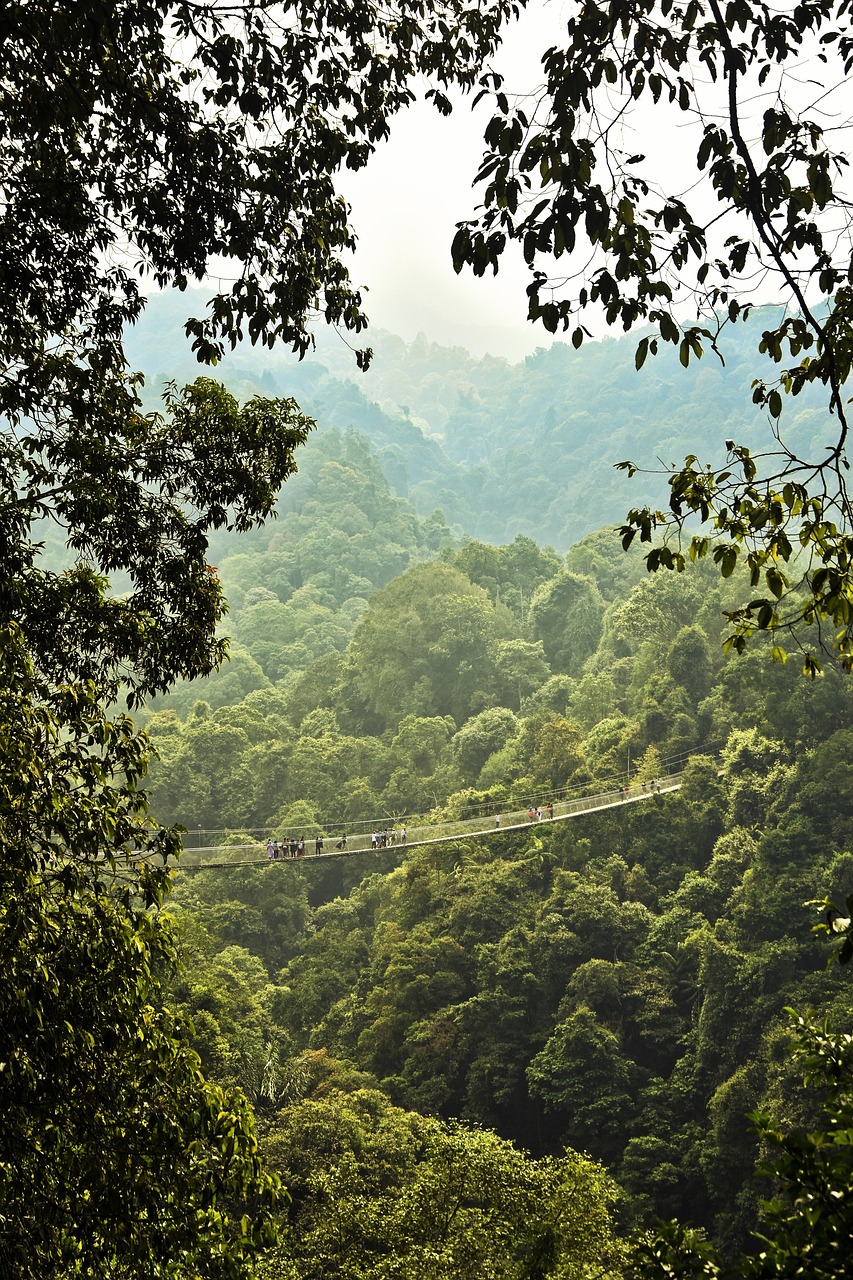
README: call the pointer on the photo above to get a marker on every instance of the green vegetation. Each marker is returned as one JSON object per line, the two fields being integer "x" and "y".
{"x": 117, "y": 1156}
{"x": 615, "y": 986}
{"x": 377, "y": 1191}
{"x": 806, "y": 1230}
{"x": 469, "y": 1060}
{"x": 145, "y": 140}
{"x": 567, "y": 173}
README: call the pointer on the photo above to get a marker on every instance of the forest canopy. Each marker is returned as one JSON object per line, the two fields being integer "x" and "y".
{"x": 141, "y": 141}
{"x": 615, "y": 985}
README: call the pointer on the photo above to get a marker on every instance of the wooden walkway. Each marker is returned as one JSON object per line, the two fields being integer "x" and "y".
{"x": 255, "y": 853}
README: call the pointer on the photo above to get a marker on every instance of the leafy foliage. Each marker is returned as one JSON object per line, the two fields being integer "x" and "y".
{"x": 378, "y": 1191}
{"x": 116, "y": 1154}
{"x": 563, "y": 177}
{"x": 138, "y": 496}
{"x": 173, "y": 132}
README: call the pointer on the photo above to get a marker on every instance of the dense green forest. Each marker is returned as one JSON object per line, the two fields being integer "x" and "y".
{"x": 507, "y": 1054}
{"x": 614, "y": 986}
{"x": 504, "y": 1056}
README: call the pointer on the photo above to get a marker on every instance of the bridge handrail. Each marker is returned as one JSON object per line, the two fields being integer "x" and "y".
{"x": 514, "y": 820}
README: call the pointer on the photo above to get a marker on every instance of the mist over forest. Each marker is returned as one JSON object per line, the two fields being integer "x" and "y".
{"x": 426, "y": 781}
{"x": 505, "y": 449}
{"x": 441, "y": 621}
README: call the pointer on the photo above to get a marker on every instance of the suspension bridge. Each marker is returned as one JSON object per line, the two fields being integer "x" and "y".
{"x": 253, "y": 853}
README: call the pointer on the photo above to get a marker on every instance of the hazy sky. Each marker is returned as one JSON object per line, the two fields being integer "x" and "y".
{"x": 406, "y": 205}
{"x": 407, "y": 201}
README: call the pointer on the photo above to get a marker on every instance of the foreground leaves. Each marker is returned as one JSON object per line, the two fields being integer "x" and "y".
{"x": 116, "y": 1155}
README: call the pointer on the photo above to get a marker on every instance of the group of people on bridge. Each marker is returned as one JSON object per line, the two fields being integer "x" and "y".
{"x": 382, "y": 839}
{"x": 645, "y": 787}
{"x": 288, "y": 848}
{"x": 294, "y": 847}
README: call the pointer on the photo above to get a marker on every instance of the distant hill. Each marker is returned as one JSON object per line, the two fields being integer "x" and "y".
{"x": 504, "y": 448}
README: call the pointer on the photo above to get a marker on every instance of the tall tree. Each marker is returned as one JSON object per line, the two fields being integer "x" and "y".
{"x": 806, "y": 1221}
{"x": 424, "y": 647}
{"x": 117, "y": 1157}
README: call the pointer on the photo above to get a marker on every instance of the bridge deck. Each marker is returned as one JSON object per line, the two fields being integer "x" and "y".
{"x": 439, "y": 833}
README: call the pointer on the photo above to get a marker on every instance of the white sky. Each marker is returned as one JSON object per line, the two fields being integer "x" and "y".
{"x": 407, "y": 201}
{"x": 406, "y": 204}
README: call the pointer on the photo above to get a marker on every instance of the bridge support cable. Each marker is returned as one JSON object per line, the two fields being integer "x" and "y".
{"x": 437, "y": 833}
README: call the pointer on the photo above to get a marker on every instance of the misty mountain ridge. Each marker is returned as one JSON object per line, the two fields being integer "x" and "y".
{"x": 505, "y": 448}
